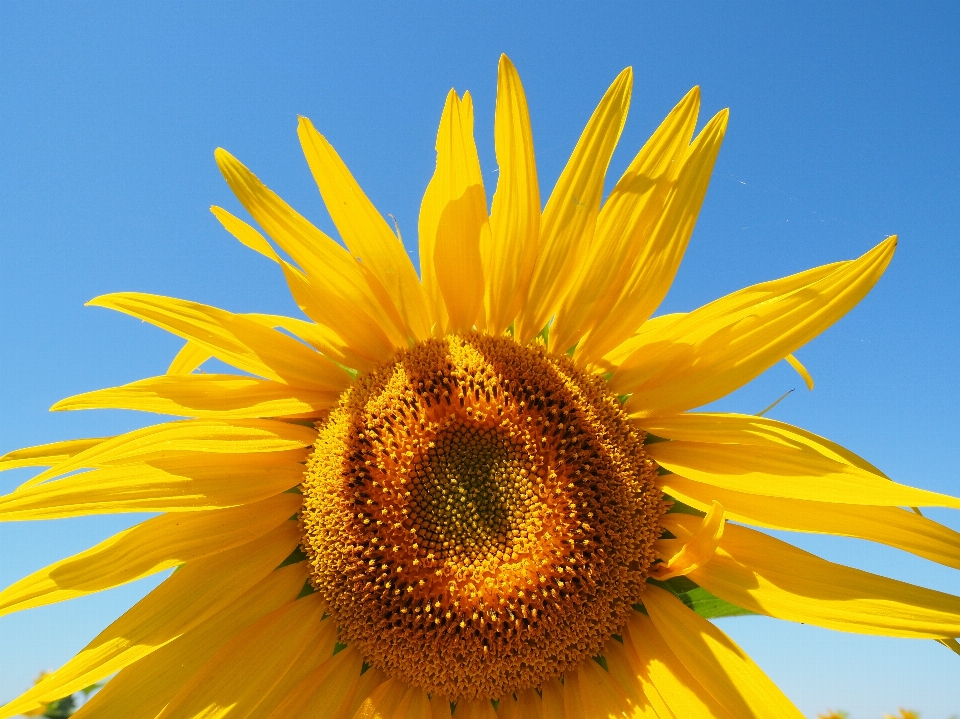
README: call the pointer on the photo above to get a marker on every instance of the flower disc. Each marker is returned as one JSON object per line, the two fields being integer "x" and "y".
{"x": 479, "y": 516}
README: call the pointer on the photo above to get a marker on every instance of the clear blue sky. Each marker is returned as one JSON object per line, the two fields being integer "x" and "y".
{"x": 843, "y": 130}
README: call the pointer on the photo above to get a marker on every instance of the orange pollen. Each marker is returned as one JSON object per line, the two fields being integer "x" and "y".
{"x": 479, "y": 516}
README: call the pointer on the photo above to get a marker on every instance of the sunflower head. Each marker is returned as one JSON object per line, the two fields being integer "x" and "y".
{"x": 486, "y": 502}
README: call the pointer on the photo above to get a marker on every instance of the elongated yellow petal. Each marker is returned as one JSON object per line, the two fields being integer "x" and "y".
{"x": 509, "y": 259}
{"x": 615, "y": 357}
{"x": 892, "y": 526}
{"x": 526, "y": 705}
{"x": 570, "y": 217}
{"x": 725, "y": 344}
{"x": 589, "y": 692}
{"x": 440, "y": 708}
{"x": 358, "y": 343}
{"x": 235, "y": 339}
{"x": 143, "y": 689}
{"x": 46, "y": 455}
{"x": 716, "y": 661}
{"x": 189, "y": 358}
{"x": 646, "y": 655}
{"x": 150, "y": 547}
{"x": 454, "y": 222}
{"x": 389, "y": 700}
{"x": 245, "y": 233}
{"x": 476, "y": 709}
{"x": 364, "y": 231}
{"x": 633, "y": 679}
{"x": 767, "y": 576}
{"x": 642, "y": 234}
{"x": 186, "y": 437}
{"x": 757, "y": 455}
{"x": 323, "y": 260}
{"x": 185, "y": 600}
{"x": 328, "y": 691}
{"x": 310, "y": 332}
{"x": 343, "y": 331}
{"x": 173, "y": 484}
{"x": 552, "y": 705}
{"x": 317, "y": 652}
{"x": 801, "y": 370}
{"x": 696, "y": 551}
{"x": 625, "y": 224}
{"x": 249, "y": 666}
{"x": 205, "y": 395}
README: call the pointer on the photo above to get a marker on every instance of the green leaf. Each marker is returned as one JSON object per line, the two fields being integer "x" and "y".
{"x": 61, "y": 708}
{"x": 707, "y": 605}
{"x": 710, "y": 606}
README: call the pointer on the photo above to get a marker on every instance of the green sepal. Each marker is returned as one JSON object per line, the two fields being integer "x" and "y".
{"x": 295, "y": 557}
{"x": 680, "y": 508}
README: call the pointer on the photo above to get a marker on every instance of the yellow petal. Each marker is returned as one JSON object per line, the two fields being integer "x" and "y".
{"x": 615, "y": 357}
{"x": 440, "y": 708}
{"x": 454, "y": 222}
{"x": 323, "y": 260}
{"x": 625, "y": 224}
{"x": 313, "y": 656}
{"x": 364, "y": 231}
{"x": 648, "y": 657}
{"x": 525, "y": 705}
{"x": 205, "y": 395}
{"x": 321, "y": 337}
{"x": 349, "y": 336}
{"x": 633, "y": 679}
{"x": 589, "y": 692}
{"x": 382, "y": 700}
{"x": 187, "y": 599}
{"x": 696, "y": 551}
{"x": 552, "y": 705}
{"x": 509, "y": 259}
{"x": 329, "y": 690}
{"x": 801, "y": 370}
{"x": 190, "y": 356}
{"x": 173, "y": 484}
{"x": 892, "y": 526}
{"x": 716, "y": 349}
{"x": 249, "y": 666}
{"x": 570, "y": 217}
{"x": 767, "y": 576}
{"x": 245, "y": 233}
{"x": 147, "y": 548}
{"x": 476, "y": 709}
{"x": 46, "y": 455}
{"x": 642, "y": 234}
{"x": 342, "y": 331}
{"x": 395, "y": 700}
{"x": 716, "y": 661}
{"x": 143, "y": 689}
{"x": 756, "y": 455}
{"x": 186, "y": 437}
{"x": 235, "y": 339}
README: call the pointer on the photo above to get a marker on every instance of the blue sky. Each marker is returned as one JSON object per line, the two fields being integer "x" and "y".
{"x": 843, "y": 130}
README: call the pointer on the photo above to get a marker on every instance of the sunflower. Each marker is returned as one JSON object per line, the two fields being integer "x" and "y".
{"x": 477, "y": 489}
